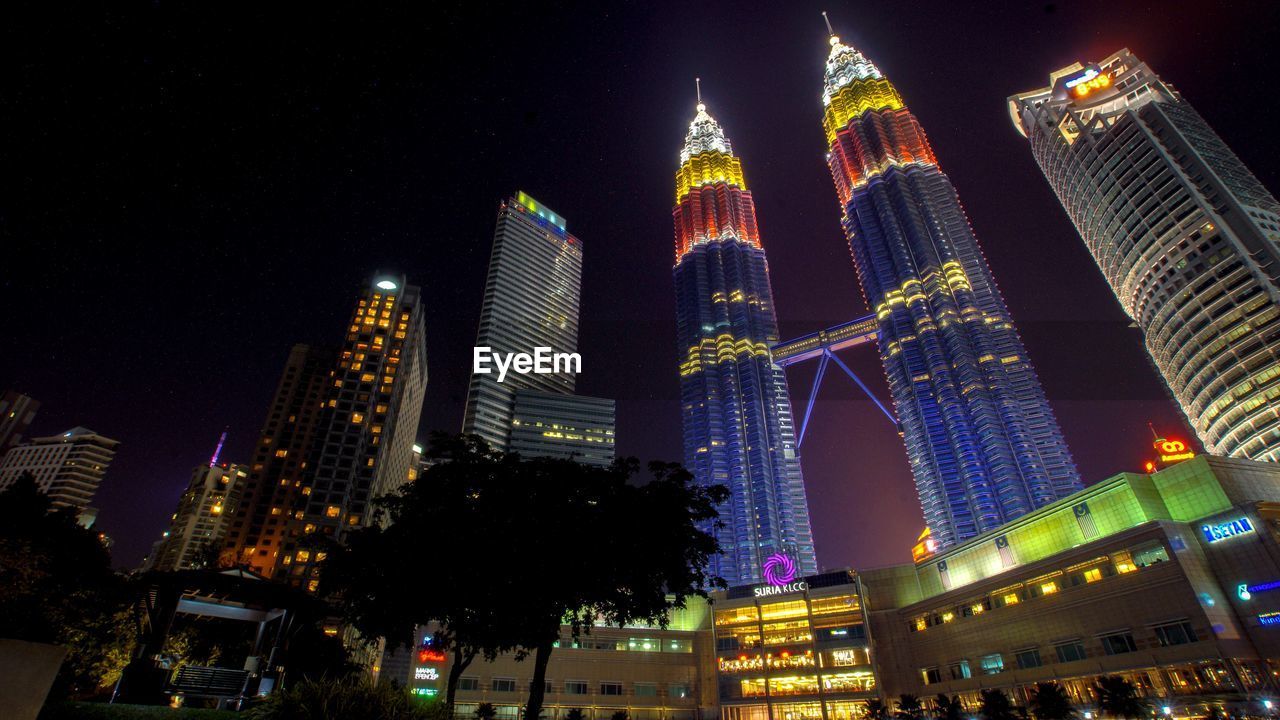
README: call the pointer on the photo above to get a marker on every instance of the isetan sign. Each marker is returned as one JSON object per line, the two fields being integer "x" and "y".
{"x": 1221, "y": 531}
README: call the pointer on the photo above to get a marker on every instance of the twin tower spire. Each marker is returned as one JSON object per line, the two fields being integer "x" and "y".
{"x": 983, "y": 444}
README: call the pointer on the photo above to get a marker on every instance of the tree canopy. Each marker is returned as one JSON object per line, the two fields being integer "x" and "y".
{"x": 501, "y": 551}
{"x": 1117, "y": 697}
{"x": 1049, "y": 701}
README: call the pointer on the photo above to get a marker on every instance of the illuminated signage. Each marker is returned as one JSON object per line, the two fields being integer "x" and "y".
{"x": 426, "y": 673}
{"x": 1271, "y": 618}
{"x": 767, "y": 590}
{"x": 925, "y": 546}
{"x": 428, "y": 652}
{"x": 843, "y": 658}
{"x": 425, "y": 692}
{"x": 1172, "y": 451}
{"x": 1229, "y": 529}
{"x": 1244, "y": 591}
{"x": 779, "y": 570}
{"x": 1087, "y": 83}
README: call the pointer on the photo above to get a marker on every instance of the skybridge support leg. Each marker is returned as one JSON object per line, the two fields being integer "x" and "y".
{"x": 813, "y": 395}
{"x": 865, "y": 389}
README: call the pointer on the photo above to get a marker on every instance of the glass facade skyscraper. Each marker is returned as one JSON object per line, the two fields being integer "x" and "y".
{"x": 531, "y": 298}
{"x": 1185, "y": 235}
{"x": 983, "y": 443}
{"x": 738, "y": 426}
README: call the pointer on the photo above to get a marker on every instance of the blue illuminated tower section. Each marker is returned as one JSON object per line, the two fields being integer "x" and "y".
{"x": 738, "y": 427}
{"x": 984, "y": 445}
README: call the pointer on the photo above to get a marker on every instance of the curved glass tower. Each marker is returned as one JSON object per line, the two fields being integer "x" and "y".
{"x": 738, "y": 428}
{"x": 1186, "y": 236}
{"x": 984, "y": 445}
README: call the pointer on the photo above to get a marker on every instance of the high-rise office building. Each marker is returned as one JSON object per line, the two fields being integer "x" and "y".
{"x": 1185, "y": 235}
{"x": 201, "y": 519}
{"x": 67, "y": 467}
{"x": 531, "y": 299}
{"x": 738, "y": 427}
{"x": 274, "y": 488}
{"x": 562, "y": 426}
{"x": 983, "y": 444}
{"x": 17, "y": 411}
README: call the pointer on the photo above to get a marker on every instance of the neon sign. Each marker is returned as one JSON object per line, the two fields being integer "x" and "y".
{"x": 426, "y": 673}
{"x": 1172, "y": 451}
{"x": 1271, "y": 618}
{"x": 428, "y": 652}
{"x": 766, "y": 590}
{"x": 1087, "y": 83}
{"x": 779, "y": 570}
{"x": 1229, "y": 529}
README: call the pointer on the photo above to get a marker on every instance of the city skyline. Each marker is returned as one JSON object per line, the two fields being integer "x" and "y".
{"x": 810, "y": 266}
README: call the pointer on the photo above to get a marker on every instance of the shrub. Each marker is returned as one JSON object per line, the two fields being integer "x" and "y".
{"x": 351, "y": 698}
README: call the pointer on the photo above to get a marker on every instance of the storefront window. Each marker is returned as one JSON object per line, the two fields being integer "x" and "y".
{"x": 862, "y": 681}
{"x": 794, "y": 685}
{"x": 734, "y": 616}
{"x": 785, "y": 633}
{"x": 842, "y": 603}
{"x": 779, "y": 610}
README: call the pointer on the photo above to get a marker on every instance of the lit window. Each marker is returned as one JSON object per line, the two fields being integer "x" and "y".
{"x": 357, "y": 418}
{"x": 304, "y": 555}
{"x": 332, "y": 511}
{"x": 948, "y": 617}
{"x": 312, "y": 585}
{"x": 282, "y": 453}
{"x": 1093, "y": 574}
{"x": 1049, "y": 588}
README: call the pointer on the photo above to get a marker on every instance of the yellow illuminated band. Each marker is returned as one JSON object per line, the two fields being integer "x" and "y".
{"x": 857, "y": 98}
{"x": 706, "y": 169}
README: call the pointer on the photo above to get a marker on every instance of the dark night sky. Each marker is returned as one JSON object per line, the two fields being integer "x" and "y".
{"x": 189, "y": 190}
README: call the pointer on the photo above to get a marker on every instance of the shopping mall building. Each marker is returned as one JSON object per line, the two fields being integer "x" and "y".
{"x": 1170, "y": 579}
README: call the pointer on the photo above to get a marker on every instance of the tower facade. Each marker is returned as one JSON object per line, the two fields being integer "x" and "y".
{"x": 201, "y": 519}
{"x": 983, "y": 443}
{"x": 531, "y": 297}
{"x": 17, "y": 412}
{"x": 67, "y": 467}
{"x": 1185, "y": 235}
{"x": 259, "y": 525}
{"x": 738, "y": 427}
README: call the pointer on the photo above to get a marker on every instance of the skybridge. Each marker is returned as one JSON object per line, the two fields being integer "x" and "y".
{"x": 823, "y": 346}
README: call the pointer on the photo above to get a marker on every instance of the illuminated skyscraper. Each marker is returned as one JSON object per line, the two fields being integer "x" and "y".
{"x": 983, "y": 444}
{"x": 201, "y": 519}
{"x": 317, "y": 472}
{"x": 531, "y": 300}
{"x": 738, "y": 427}
{"x": 1185, "y": 235}
{"x": 67, "y": 467}
{"x": 17, "y": 411}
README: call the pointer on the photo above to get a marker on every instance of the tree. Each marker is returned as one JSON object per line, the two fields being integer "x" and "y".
{"x": 57, "y": 586}
{"x": 996, "y": 706}
{"x": 948, "y": 708}
{"x": 1050, "y": 702}
{"x": 876, "y": 710}
{"x": 646, "y": 555}
{"x": 620, "y": 715}
{"x": 486, "y": 711}
{"x": 575, "y": 714}
{"x": 909, "y": 708}
{"x": 1119, "y": 698}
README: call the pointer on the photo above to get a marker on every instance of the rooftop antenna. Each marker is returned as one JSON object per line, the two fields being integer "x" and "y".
{"x": 827, "y": 20}
{"x": 218, "y": 451}
{"x": 1154, "y": 434}
{"x": 697, "y": 82}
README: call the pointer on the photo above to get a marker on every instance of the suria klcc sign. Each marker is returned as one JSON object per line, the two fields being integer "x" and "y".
{"x": 780, "y": 573}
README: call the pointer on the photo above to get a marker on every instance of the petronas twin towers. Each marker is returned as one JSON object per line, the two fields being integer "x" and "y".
{"x": 982, "y": 442}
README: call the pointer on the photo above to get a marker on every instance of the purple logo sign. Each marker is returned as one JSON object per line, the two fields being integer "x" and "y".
{"x": 779, "y": 569}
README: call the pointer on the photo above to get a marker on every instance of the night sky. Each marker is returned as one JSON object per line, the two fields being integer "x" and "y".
{"x": 189, "y": 190}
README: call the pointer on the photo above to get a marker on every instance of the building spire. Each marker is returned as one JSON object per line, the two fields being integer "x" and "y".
{"x": 218, "y": 450}
{"x": 698, "y": 84}
{"x": 830, "y": 32}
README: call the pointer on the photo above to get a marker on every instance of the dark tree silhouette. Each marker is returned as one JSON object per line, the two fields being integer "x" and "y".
{"x": 1117, "y": 697}
{"x": 1050, "y": 702}
{"x": 524, "y": 546}
{"x": 575, "y": 714}
{"x": 996, "y": 706}
{"x": 948, "y": 708}
{"x": 876, "y": 710}
{"x": 486, "y": 711}
{"x": 57, "y": 586}
{"x": 909, "y": 708}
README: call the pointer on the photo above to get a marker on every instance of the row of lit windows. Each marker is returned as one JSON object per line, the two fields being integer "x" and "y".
{"x": 1121, "y": 562}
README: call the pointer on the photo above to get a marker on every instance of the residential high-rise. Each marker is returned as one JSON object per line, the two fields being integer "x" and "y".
{"x": 562, "y": 426}
{"x": 738, "y": 427}
{"x": 531, "y": 297}
{"x": 1185, "y": 235}
{"x": 364, "y": 441}
{"x": 17, "y": 411}
{"x": 983, "y": 443}
{"x": 340, "y": 433}
{"x": 201, "y": 520}
{"x": 67, "y": 467}
{"x": 259, "y": 524}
